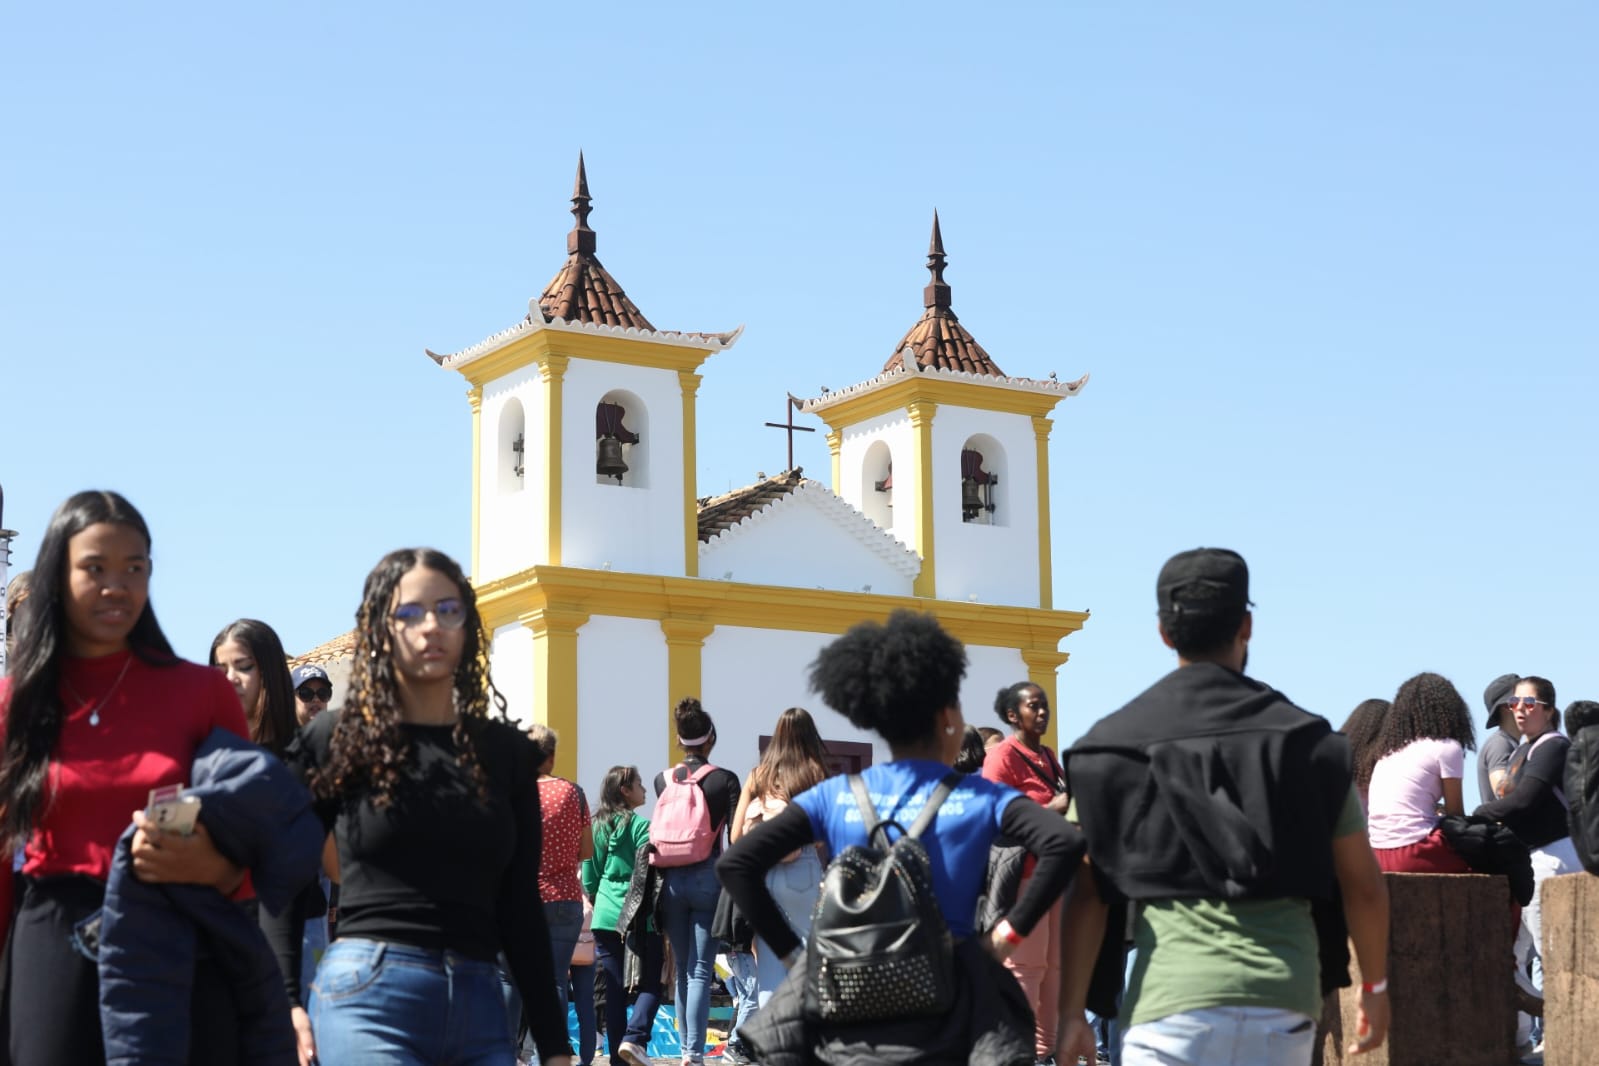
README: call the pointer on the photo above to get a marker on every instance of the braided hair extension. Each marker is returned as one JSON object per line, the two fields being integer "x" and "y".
{"x": 368, "y": 751}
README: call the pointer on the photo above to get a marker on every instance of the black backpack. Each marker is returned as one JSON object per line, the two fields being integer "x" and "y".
{"x": 1582, "y": 795}
{"x": 879, "y": 949}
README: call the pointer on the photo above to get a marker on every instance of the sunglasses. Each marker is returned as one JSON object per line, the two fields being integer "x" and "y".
{"x": 308, "y": 693}
{"x": 449, "y": 614}
{"x": 1526, "y": 701}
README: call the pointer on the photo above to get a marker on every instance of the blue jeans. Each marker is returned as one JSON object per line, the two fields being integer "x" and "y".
{"x": 393, "y": 1005}
{"x": 564, "y": 918}
{"x": 582, "y": 990}
{"x": 690, "y": 900}
{"x": 742, "y": 985}
{"x": 608, "y": 958}
{"x": 1222, "y": 1036}
{"x": 795, "y": 886}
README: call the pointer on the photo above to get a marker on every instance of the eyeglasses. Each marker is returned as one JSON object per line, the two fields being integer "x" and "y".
{"x": 1526, "y": 701}
{"x": 449, "y": 614}
{"x": 307, "y": 693}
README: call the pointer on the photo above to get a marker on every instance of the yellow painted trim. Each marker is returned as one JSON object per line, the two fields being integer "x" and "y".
{"x": 540, "y": 345}
{"x": 921, "y": 413}
{"x": 554, "y": 632}
{"x": 685, "y": 643}
{"x": 551, "y": 374}
{"x": 1046, "y": 575}
{"x": 1041, "y": 666}
{"x": 732, "y": 603}
{"x": 914, "y": 389}
{"x": 835, "y": 448}
{"x": 474, "y": 396}
{"x": 689, "y": 382}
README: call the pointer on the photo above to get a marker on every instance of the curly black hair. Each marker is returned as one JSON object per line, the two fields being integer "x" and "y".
{"x": 1010, "y": 699}
{"x": 1428, "y": 705}
{"x": 1362, "y": 729}
{"x": 892, "y": 678}
{"x": 368, "y": 751}
{"x": 1580, "y": 714}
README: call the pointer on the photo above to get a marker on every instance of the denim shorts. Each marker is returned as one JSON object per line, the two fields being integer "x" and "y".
{"x": 385, "y": 1004}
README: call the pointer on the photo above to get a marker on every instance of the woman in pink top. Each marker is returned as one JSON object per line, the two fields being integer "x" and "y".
{"x": 1417, "y": 778}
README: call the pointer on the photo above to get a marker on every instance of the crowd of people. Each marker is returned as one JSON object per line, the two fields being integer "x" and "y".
{"x": 1182, "y": 885}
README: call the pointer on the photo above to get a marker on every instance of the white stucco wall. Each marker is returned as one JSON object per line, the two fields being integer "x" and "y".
{"x": 635, "y": 529}
{"x": 622, "y": 702}
{"x": 511, "y": 529}
{"x": 805, "y": 542}
{"x": 511, "y": 664}
{"x": 994, "y": 563}
{"x": 988, "y": 670}
{"x": 894, "y": 430}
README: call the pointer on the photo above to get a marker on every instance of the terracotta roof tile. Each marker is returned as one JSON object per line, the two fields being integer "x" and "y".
{"x": 719, "y": 513}
{"x": 938, "y": 339}
{"x": 331, "y": 651}
{"x": 583, "y": 290}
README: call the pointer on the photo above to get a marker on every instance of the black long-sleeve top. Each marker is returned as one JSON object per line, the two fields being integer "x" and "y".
{"x": 1056, "y": 844}
{"x": 440, "y": 868}
{"x": 1532, "y": 809}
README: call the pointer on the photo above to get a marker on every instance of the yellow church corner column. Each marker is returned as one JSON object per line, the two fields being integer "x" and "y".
{"x": 1046, "y": 574}
{"x": 474, "y": 396}
{"x": 552, "y": 370}
{"x": 921, "y": 412}
{"x": 835, "y": 448}
{"x": 685, "y": 640}
{"x": 554, "y": 632}
{"x": 1041, "y": 666}
{"x": 690, "y": 384}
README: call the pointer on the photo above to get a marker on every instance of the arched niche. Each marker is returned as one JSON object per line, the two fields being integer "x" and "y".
{"x": 984, "y": 482}
{"x": 621, "y": 427}
{"x": 877, "y": 484}
{"x": 510, "y": 455}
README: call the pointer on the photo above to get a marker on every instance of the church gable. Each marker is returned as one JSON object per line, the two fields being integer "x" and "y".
{"x": 790, "y": 530}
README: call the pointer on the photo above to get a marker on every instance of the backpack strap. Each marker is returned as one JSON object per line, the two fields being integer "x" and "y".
{"x": 934, "y": 801}
{"x": 863, "y": 800}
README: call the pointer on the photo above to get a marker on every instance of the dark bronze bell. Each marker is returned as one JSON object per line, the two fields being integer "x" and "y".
{"x": 971, "y": 498}
{"x": 610, "y": 463}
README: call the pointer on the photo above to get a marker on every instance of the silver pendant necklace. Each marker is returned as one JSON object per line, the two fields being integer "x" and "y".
{"x": 94, "y": 712}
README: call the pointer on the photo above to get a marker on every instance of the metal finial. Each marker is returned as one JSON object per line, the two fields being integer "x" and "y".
{"x": 936, "y": 294}
{"x": 581, "y": 239}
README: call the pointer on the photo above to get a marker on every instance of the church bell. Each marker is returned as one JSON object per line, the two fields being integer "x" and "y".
{"x": 610, "y": 462}
{"x": 971, "y": 498}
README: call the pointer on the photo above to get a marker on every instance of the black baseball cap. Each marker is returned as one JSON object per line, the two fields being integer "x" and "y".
{"x": 1203, "y": 579}
{"x": 1498, "y": 691}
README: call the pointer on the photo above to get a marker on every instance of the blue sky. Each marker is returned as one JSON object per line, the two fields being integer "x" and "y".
{"x": 1332, "y": 270}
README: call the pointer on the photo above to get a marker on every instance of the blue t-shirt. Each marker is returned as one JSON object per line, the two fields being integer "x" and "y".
{"x": 957, "y": 842}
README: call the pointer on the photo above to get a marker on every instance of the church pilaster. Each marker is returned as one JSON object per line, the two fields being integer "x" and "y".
{"x": 685, "y": 644}
{"x": 554, "y": 632}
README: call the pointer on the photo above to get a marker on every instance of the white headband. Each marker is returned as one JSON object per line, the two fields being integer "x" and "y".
{"x": 693, "y": 742}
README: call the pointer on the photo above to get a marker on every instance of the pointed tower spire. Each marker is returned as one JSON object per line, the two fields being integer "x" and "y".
{"x": 581, "y": 240}
{"x": 936, "y": 294}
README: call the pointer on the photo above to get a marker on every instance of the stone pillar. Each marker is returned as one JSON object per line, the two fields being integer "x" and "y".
{"x": 1449, "y": 974}
{"x": 1570, "y": 969}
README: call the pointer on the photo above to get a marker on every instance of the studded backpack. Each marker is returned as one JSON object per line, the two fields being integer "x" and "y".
{"x": 879, "y": 948}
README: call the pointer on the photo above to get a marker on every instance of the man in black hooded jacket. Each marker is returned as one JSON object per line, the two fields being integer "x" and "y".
{"x": 1229, "y": 816}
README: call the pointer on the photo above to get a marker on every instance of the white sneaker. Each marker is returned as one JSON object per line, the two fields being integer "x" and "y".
{"x": 633, "y": 1053}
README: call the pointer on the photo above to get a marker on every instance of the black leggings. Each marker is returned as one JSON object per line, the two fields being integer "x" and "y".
{"x": 52, "y": 1002}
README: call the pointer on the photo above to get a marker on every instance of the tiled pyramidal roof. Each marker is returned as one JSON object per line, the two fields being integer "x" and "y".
{"x": 583, "y": 290}
{"x": 938, "y": 340}
{"x": 720, "y": 513}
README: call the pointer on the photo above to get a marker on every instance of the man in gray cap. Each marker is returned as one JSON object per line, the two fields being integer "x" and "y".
{"x": 1493, "y": 761}
{"x": 1230, "y": 817}
{"x": 312, "y": 691}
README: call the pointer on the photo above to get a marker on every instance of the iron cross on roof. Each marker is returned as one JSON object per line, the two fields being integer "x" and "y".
{"x": 793, "y": 405}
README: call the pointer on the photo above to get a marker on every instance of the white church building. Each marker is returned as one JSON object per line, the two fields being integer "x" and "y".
{"x": 612, "y": 590}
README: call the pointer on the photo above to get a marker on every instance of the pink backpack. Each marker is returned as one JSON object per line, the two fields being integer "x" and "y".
{"x": 681, "y": 831}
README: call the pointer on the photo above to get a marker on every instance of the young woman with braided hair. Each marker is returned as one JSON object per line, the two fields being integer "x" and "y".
{"x": 1420, "y": 760}
{"x": 434, "y": 809}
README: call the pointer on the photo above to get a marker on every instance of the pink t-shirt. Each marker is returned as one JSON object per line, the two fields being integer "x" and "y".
{"x": 1406, "y": 786}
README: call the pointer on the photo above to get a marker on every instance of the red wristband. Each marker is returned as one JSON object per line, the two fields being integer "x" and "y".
{"x": 1375, "y": 987}
{"x": 1006, "y": 930}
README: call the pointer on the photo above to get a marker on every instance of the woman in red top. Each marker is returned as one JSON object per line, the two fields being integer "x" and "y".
{"x": 1024, "y": 762}
{"x": 98, "y": 711}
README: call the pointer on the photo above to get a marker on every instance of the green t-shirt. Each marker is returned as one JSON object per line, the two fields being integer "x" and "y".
{"x": 1214, "y": 953}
